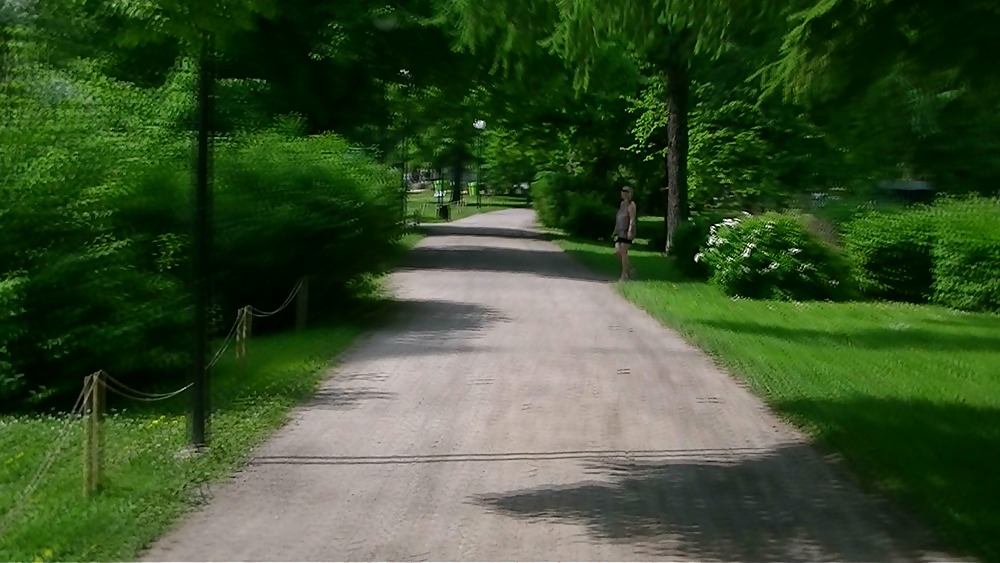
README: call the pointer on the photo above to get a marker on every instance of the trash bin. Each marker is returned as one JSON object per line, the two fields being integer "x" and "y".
{"x": 444, "y": 212}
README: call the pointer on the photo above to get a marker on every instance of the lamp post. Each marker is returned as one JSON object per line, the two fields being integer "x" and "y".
{"x": 479, "y": 124}
{"x": 405, "y": 75}
{"x": 201, "y": 408}
{"x": 385, "y": 19}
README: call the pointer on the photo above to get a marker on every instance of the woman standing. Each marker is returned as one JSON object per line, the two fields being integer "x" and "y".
{"x": 625, "y": 232}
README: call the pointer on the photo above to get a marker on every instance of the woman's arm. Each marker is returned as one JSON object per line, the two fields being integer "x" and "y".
{"x": 632, "y": 219}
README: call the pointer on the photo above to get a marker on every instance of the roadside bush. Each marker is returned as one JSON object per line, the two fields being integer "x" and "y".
{"x": 689, "y": 240}
{"x": 891, "y": 254}
{"x": 967, "y": 255}
{"x": 11, "y": 307}
{"x": 291, "y": 207}
{"x": 587, "y": 216}
{"x": 553, "y": 194}
{"x": 773, "y": 256}
{"x": 548, "y": 199}
{"x": 95, "y": 207}
{"x": 84, "y": 300}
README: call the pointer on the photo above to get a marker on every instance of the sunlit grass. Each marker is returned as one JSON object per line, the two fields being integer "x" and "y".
{"x": 909, "y": 395}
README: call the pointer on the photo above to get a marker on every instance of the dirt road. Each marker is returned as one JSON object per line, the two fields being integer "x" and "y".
{"x": 519, "y": 409}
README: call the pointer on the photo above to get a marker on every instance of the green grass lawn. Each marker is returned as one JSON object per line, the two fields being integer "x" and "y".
{"x": 423, "y": 206}
{"x": 147, "y": 485}
{"x": 909, "y": 395}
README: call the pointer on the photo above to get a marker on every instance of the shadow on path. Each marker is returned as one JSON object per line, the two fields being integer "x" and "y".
{"x": 552, "y": 264}
{"x": 750, "y": 509}
{"x": 584, "y": 455}
{"x": 439, "y": 230}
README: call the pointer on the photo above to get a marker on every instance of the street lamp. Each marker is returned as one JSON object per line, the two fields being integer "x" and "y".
{"x": 479, "y": 124}
{"x": 405, "y": 75}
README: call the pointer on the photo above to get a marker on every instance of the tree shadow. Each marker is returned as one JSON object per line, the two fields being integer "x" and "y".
{"x": 937, "y": 458}
{"x": 428, "y": 327}
{"x": 345, "y": 399}
{"x": 451, "y": 230}
{"x": 650, "y": 266}
{"x": 783, "y": 506}
{"x": 901, "y": 338}
{"x": 542, "y": 263}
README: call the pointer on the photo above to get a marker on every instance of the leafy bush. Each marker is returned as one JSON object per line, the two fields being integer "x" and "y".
{"x": 95, "y": 207}
{"x": 891, "y": 254}
{"x": 10, "y": 308}
{"x": 689, "y": 240}
{"x": 587, "y": 216}
{"x": 548, "y": 199}
{"x": 320, "y": 211}
{"x": 967, "y": 255}
{"x": 772, "y": 257}
{"x": 554, "y": 194}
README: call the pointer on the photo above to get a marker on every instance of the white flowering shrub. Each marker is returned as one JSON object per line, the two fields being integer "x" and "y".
{"x": 773, "y": 257}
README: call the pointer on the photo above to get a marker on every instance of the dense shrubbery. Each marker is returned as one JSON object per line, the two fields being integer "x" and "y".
{"x": 95, "y": 208}
{"x": 949, "y": 252}
{"x": 588, "y": 216}
{"x": 773, "y": 256}
{"x": 690, "y": 240}
{"x": 580, "y": 205}
{"x": 891, "y": 254}
{"x": 967, "y": 254}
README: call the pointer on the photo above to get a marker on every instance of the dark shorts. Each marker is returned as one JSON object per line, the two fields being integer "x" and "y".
{"x": 623, "y": 240}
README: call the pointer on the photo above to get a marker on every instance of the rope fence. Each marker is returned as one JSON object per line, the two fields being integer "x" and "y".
{"x": 90, "y": 405}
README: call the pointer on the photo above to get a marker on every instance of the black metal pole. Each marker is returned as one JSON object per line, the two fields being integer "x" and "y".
{"x": 479, "y": 168}
{"x": 202, "y": 249}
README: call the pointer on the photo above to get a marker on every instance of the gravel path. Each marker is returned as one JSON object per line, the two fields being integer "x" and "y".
{"x": 519, "y": 409}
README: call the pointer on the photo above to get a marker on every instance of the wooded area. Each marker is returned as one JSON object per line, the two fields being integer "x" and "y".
{"x": 707, "y": 109}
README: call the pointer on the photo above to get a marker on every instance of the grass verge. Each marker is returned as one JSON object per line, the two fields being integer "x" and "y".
{"x": 147, "y": 485}
{"x": 908, "y": 395}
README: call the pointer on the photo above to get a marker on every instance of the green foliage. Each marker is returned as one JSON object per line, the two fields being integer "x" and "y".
{"x": 549, "y": 199}
{"x": 844, "y": 46}
{"x": 95, "y": 208}
{"x": 580, "y": 204}
{"x": 773, "y": 256}
{"x": 11, "y": 307}
{"x": 891, "y": 254}
{"x": 587, "y": 216}
{"x": 313, "y": 203}
{"x": 967, "y": 254}
{"x": 690, "y": 239}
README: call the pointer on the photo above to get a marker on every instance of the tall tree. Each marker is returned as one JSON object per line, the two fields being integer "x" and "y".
{"x": 842, "y": 47}
{"x": 667, "y": 33}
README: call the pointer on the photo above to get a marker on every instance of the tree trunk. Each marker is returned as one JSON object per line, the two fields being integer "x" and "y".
{"x": 666, "y": 192}
{"x": 678, "y": 83}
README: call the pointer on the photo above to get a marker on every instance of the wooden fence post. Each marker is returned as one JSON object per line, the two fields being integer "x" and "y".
{"x": 241, "y": 323}
{"x": 94, "y": 399}
{"x": 88, "y": 435}
{"x": 100, "y": 405}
